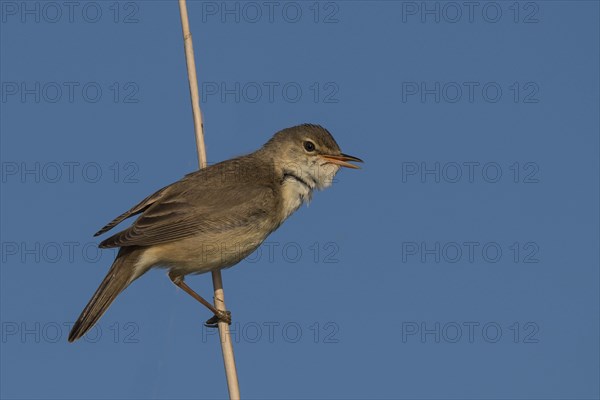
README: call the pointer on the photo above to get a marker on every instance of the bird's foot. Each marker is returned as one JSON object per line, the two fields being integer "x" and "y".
{"x": 213, "y": 322}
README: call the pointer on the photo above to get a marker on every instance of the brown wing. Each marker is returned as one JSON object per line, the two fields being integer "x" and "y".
{"x": 143, "y": 205}
{"x": 194, "y": 205}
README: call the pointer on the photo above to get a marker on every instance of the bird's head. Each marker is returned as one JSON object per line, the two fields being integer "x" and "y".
{"x": 309, "y": 152}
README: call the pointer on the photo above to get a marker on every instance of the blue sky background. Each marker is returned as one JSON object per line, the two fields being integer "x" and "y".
{"x": 479, "y": 128}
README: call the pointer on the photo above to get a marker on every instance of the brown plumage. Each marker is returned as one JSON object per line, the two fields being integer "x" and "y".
{"x": 233, "y": 206}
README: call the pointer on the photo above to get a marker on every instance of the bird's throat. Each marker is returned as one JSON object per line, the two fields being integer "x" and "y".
{"x": 292, "y": 176}
{"x": 294, "y": 191}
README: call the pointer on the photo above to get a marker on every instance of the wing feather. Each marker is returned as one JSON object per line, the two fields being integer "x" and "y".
{"x": 192, "y": 206}
{"x": 143, "y": 205}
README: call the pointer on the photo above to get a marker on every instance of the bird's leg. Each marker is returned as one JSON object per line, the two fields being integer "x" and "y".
{"x": 219, "y": 315}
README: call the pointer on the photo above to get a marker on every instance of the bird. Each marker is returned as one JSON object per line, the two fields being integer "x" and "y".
{"x": 215, "y": 217}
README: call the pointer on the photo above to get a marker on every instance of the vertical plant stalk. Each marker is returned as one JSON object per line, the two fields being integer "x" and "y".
{"x": 226, "y": 344}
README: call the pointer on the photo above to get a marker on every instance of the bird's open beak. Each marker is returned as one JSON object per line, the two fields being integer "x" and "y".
{"x": 341, "y": 160}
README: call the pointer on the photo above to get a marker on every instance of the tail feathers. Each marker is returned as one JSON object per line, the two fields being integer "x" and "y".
{"x": 120, "y": 275}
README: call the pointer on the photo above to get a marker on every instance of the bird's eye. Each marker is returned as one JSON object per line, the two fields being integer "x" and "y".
{"x": 309, "y": 146}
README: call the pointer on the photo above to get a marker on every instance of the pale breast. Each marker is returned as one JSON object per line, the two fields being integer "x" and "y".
{"x": 293, "y": 193}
